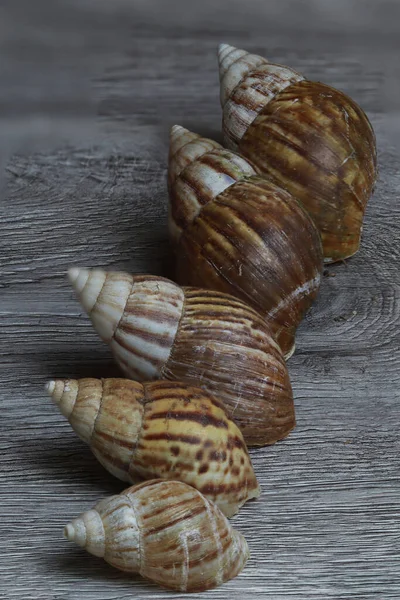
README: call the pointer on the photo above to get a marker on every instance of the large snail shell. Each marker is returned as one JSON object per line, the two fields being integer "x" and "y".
{"x": 307, "y": 137}
{"x": 165, "y": 530}
{"x": 241, "y": 234}
{"x": 162, "y": 430}
{"x": 204, "y": 338}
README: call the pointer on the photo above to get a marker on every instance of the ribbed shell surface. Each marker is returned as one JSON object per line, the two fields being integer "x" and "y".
{"x": 234, "y": 64}
{"x": 250, "y": 96}
{"x": 226, "y": 347}
{"x": 186, "y": 543}
{"x": 172, "y": 535}
{"x": 137, "y": 316}
{"x": 316, "y": 143}
{"x": 185, "y": 147}
{"x": 117, "y": 425}
{"x": 219, "y": 343}
{"x": 256, "y": 242}
{"x": 162, "y": 430}
{"x": 188, "y": 436}
{"x": 201, "y": 181}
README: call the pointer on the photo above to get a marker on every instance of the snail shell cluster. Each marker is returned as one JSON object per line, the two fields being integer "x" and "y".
{"x": 165, "y": 530}
{"x": 241, "y": 234}
{"x": 157, "y": 329}
{"x": 160, "y": 430}
{"x": 251, "y": 226}
{"x": 306, "y": 137}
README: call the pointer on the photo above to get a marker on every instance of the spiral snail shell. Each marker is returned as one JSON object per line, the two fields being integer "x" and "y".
{"x": 159, "y": 330}
{"x": 306, "y": 137}
{"x": 161, "y": 430}
{"x": 239, "y": 233}
{"x": 165, "y": 530}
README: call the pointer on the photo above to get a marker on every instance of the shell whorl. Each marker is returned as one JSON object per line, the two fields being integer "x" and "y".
{"x": 79, "y": 402}
{"x": 87, "y": 531}
{"x": 185, "y": 147}
{"x": 199, "y": 172}
{"x": 64, "y": 394}
{"x": 110, "y": 531}
{"x": 234, "y": 64}
{"x": 166, "y": 531}
{"x": 137, "y": 316}
{"x": 248, "y": 84}
{"x": 256, "y": 242}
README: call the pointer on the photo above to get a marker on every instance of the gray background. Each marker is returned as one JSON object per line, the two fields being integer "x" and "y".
{"x": 88, "y": 92}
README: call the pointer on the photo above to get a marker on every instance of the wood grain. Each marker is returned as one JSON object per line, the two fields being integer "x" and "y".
{"x": 327, "y": 523}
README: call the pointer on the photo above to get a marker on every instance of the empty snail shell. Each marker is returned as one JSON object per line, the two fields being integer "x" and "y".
{"x": 159, "y": 330}
{"x": 165, "y": 530}
{"x": 307, "y": 137}
{"x": 241, "y": 234}
{"x": 161, "y": 430}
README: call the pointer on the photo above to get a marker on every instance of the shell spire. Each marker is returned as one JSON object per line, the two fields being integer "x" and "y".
{"x": 179, "y": 137}
{"x": 87, "y": 531}
{"x": 248, "y": 83}
{"x": 198, "y": 172}
{"x": 234, "y": 64}
{"x": 185, "y": 146}
{"x": 79, "y": 402}
{"x": 165, "y": 530}
{"x": 137, "y": 316}
{"x": 64, "y": 394}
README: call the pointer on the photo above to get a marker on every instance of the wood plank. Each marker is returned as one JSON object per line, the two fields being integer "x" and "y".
{"x": 327, "y": 523}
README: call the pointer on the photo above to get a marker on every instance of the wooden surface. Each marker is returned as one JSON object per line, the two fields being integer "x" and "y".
{"x": 327, "y": 523}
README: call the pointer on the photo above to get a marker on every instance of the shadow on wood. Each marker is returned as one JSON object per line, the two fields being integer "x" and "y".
{"x": 69, "y": 461}
{"x": 77, "y": 563}
{"x": 57, "y": 363}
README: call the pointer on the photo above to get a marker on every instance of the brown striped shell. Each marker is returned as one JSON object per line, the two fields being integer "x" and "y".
{"x": 241, "y": 234}
{"x": 165, "y": 530}
{"x": 306, "y": 137}
{"x": 159, "y": 330}
{"x": 164, "y": 430}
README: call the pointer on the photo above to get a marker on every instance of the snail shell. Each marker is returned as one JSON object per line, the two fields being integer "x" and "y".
{"x": 161, "y": 430}
{"x": 306, "y": 137}
{"x": 165, "y": 530}
{"x": 241, "y": 234}
{"x": 159, "y": 330}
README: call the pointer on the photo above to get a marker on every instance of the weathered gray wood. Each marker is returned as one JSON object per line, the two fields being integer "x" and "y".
{"x": 327, "y": 523}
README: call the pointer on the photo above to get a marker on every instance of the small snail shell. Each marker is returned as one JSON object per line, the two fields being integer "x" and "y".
{"x": 241, "y": 234}
{"x": 159, "y": 330}
{"x": 165, "y": 530}
{"x": 161, "y": 430}
{"x": 307, "y": 137}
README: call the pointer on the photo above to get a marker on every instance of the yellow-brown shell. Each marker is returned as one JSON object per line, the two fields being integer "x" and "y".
{"x": 158, "y": 330}
{"x": 241, "y": 234}
{"x": 313, "y": 141}
{"x": 164, "y": 430}
{"x": 165, "y": 530}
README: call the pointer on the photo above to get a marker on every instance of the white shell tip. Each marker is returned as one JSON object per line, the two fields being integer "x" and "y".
{"x": 69, "y": 532}
{"x": 75, "y": 531}
{"x": 178, "y": 130}
{"x": 225, "y": 49}
{"x": 78, "y": 278}
{"x": 74, "y": 273}
{"x": 177, "y": 134}
{"x": 179, "y": 138}
{"x": 49, "y": 387}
